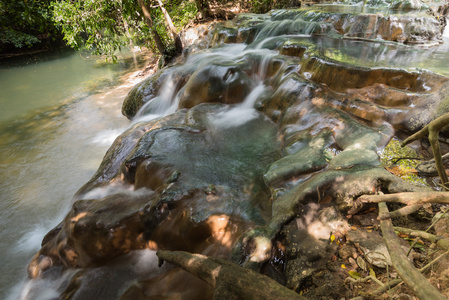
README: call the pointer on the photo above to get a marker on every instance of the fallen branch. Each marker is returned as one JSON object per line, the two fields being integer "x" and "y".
{"x": 395, "y": 282}
{"x": 432, "y": 131}
{"x": 439, "y": 241}
{"x": 229, "y": 280}
{"x": 404, "y": 211}
{"x": 411, "y": 276}
{"x": 407, "y": 198}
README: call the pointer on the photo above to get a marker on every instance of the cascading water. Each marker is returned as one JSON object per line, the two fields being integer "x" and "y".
{"x": 246, "y": 151}
{"x": 51, "y": 122}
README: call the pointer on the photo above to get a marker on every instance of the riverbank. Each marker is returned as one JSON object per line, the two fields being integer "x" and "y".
{"x": 68, "y": 115}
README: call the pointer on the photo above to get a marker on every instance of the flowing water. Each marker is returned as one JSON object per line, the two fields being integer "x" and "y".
{"x": 55, "y": 132}
{"x": 58, "y": 115}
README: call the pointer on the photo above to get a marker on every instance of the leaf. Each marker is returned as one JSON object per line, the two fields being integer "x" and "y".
{"x": 343, "y": 266}
{"x": 355, "y": 274}
{"x": 361, "y": 263}
{"x": 401, "y": 171}
{"x": 372, "y": 273}
{"x": 332, "y": 238}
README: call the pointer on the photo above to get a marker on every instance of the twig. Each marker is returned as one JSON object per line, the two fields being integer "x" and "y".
{"x": 407, "y": 158}
{"x": 439, "y": 241}
{"x": 412, "y": 277}
{"x": 427, "y": 230}
{"x": 363, "y": 280}
{"x": 387, "y": 286}
{"x": 423, "y": 269}
{"x": 395, "y": 282}
{"x": 408, "y": 198}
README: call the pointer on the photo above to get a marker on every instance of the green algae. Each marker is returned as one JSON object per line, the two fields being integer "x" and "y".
{"x": 403, "y": 160}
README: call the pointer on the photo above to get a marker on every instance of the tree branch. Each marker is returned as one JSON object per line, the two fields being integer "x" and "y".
{"x": 411, "y": 276}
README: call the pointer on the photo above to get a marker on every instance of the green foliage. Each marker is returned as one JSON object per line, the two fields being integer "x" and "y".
{"x": 102, "y": 26}
{"x": 263, "y": 6}
{"x": 24, "y": 23}
{"x": 105, "y": 26}
{"x": 394, "y": 151}
{"x": 17, "y": 39}
{"x": 182, "y": 12}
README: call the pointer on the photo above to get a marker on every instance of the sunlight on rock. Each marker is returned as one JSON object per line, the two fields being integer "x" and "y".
{"x": 262, "y": 250}
{"x": 215, "y": 273}
{"x": 222, "y": 230}
{"x": 78, "y": 217}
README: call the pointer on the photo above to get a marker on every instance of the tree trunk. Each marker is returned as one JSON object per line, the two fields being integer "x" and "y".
{"x": 157, "y": 39}
{"x": 178, "y": 43}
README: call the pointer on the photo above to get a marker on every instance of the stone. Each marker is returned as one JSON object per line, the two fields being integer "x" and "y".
{"x": 215, "y": 83}
{"x": 372, "y": 246}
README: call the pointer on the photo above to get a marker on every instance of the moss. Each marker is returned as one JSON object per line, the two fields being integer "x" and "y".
{"x": 392, "y": 157}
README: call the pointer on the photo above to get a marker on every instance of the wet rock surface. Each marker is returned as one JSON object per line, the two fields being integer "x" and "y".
{"x": 252, "y": 153}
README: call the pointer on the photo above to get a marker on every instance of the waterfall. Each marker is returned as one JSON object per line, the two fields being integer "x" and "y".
{"x": 251, "y": 151}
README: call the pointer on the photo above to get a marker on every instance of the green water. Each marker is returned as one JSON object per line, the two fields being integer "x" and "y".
{"x": 58, "y": 116}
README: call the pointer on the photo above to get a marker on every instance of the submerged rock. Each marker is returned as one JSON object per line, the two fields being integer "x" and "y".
{"x": 205, "y": 176}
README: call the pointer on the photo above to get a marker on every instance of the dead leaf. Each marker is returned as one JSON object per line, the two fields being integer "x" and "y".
{"x": 355, "y": 274}
{"x": 400, "y": 171}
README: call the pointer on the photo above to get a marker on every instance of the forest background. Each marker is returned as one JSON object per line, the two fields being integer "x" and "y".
{"x": 104, "y": 26}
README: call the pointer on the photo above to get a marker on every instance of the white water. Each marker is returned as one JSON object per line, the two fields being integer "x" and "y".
{"x": 238, "y": 114}
{"x": 167, "y": 102}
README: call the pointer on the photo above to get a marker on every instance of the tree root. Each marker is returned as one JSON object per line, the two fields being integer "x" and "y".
{"x": 432, "y": 131}
{"x": 229, "y": 280}
{"x": 411, "y": 276}
{"x": 411, "y": 199}
{"x": 428, "y": 168}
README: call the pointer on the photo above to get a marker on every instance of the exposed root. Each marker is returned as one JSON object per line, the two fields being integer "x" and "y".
{"x": 432, "y": 131}
{"x": 409, "y": 198}
{"x": 428, "y": 168}
{"x": 229, "y": 280}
